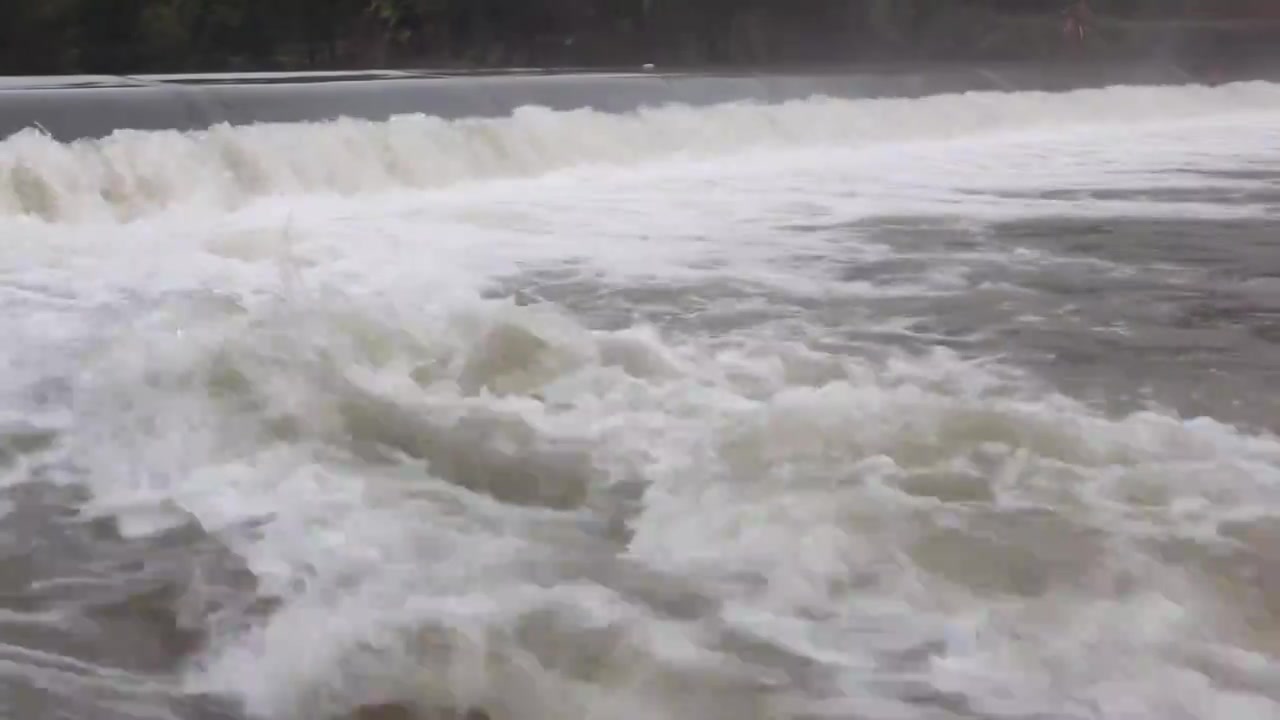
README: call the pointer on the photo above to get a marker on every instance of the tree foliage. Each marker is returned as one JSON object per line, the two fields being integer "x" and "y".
{"x": 132, "y": 36}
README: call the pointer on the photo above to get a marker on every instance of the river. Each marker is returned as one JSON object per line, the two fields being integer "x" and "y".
{"x": 961, "y": 407}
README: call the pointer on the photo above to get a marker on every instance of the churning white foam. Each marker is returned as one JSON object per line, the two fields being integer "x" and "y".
{"x": 132, "y": 173}
{"x": 460, "y": 502}
{"x": 492, "y": 506}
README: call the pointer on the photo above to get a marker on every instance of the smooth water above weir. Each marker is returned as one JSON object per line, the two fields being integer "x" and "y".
{"x": 957, "y": 407}
{"x": 71, "y": 108}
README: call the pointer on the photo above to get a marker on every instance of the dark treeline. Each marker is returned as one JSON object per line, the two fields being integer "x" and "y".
{"x": 136, "y": 36}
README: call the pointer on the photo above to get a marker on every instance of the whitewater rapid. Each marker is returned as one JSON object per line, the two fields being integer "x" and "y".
{"x": 946, "y": 408}
{"x": 130, "y": 172}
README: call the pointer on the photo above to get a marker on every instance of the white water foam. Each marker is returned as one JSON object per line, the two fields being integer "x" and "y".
{"x": 492, "y": 506}
{"x": 132, "y": 173}
{"x": 458, "y": 502}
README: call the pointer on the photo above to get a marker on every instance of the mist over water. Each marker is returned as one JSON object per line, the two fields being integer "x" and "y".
{"x": 959, "y": 407}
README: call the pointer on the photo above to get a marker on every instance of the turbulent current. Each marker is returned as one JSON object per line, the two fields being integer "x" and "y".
{"x": 955, "y": 408}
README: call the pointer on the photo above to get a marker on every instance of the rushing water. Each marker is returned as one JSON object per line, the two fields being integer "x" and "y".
{"x": 961, "y": 407}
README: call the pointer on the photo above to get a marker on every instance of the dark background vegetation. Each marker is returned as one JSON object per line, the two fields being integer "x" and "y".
{"x": 141, "y": 36}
